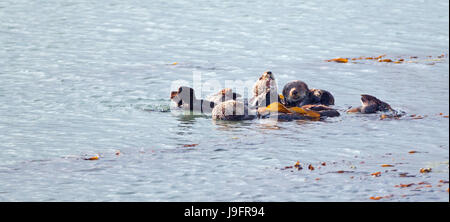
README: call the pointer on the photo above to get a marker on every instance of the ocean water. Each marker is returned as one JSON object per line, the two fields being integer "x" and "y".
{"x": 85, "y": 78}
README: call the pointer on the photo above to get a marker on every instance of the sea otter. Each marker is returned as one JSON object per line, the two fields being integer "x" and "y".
{"x": 185, "y": 98}
{"x": 265, "y": 82}
{"x": 230, "y": 109}
{"x": 320, "y": 96}
{"x": 370, "y": 104}
{"x": 297, "y": 93}
{"x": 233, "y": 111}
{"x": 265, "y": 91}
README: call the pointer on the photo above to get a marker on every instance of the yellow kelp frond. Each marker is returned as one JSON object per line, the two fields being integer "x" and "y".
{"x": 302, "y": 111}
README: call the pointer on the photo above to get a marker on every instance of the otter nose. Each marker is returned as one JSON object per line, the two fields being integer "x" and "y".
{"x": 294, "y": 92}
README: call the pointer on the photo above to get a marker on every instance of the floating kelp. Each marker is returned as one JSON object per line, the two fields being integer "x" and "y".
{"x": 280, "y": 108}
{"x": 397, "y": 60}
{"x": 425, "y": 170}
{"x": 96, "y": 157}
{"x": 415, "y": 183}
{"x": 338, "y": 60}
{"x": 376, "y": 174}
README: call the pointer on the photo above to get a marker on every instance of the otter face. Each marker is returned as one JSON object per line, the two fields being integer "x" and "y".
{"x": 372, "y": 100}
{"x": 270, "y": 79}
{"x": 317, "y": 93}
{"x": 265, "y": 83}
{"x": 183, "y": 95}
{"x": 296, "y": 94}
{"x": 267, "y": 76}
{"x": 174, "y": 97}
{"x": 321, "y": 96}
{"x": 295, "y": 91}
{"x": 372, "y": 104}
{"x": 369, "y": 100}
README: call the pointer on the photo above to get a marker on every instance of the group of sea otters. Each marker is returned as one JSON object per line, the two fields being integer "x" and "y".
{"x": 296, "y": 102}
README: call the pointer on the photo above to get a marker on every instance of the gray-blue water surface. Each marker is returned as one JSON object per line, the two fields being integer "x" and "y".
{"x": 85, "y": 78}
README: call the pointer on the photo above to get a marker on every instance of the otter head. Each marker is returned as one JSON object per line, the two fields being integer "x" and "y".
{"x": 264, "y": 83}
{"x": 267, "y": 76}
{"x": 184, "y": 95}
{"x": 316, "y": 94}
{"x": 321, "y": 96}
{"x": 371, "y": 101}
{"x": 295, "y": 91}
